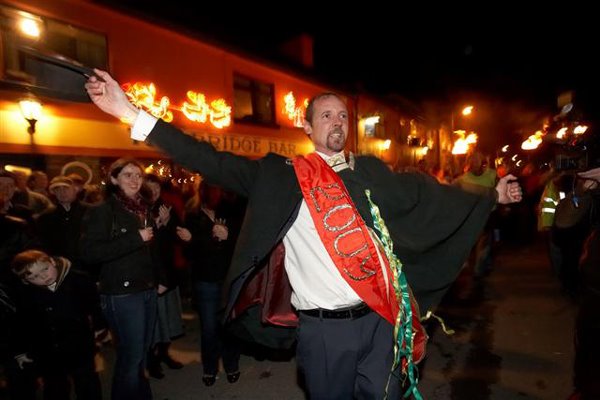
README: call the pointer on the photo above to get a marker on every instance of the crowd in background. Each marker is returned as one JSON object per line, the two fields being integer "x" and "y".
{"x": 82, "y": 265}
{"x": 562, "y": 208}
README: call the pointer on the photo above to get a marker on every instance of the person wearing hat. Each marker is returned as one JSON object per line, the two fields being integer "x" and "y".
{"x": 79, "y": 184}
{"x": 59, "y": 229}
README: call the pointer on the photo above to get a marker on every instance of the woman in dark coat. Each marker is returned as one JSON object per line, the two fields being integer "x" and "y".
{"x": 210, "y": 235}
{"x": 118, "y": 235}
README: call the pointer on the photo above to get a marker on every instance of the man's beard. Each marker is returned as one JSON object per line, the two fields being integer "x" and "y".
{"x": 336, "y": 143}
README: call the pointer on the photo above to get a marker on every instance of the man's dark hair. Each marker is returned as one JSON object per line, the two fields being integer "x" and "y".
{"x": 310, "y": 108}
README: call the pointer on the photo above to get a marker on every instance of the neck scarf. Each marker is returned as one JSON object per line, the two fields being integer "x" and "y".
{"x": 136, "y": 205}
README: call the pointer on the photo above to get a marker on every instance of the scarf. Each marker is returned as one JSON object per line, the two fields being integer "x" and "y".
{"x": 137, "y": 206}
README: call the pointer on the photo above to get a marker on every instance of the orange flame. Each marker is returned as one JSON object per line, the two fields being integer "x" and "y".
{"x": 463, "y": 144}
{"x": 144, "y": 96}
{"x": 533, "y": 141}
{"x": 220, "y": 113}
{"x": 196, "y": 108}
{"x": 294, "y": 114}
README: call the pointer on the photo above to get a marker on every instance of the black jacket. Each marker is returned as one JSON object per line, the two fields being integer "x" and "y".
{"x": 58, "y": 326}
{"x": 209, "y": 258}
{"x": 59, "y": 231}
{"x": 112, "y": 240}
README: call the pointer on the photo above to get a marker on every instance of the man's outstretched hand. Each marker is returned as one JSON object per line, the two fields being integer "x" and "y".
{"x": 509, "y": 190}
{"x": 109, "y": 97}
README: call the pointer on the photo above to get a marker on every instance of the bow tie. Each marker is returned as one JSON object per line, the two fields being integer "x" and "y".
{"x": 336, "y": 160}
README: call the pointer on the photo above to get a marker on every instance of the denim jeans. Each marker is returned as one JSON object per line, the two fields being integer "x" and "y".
{"x": 213, "y": 342}
{"x": 131, "y": 319}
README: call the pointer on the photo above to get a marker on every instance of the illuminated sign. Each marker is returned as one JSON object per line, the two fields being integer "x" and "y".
{"x": 254, "y": 146}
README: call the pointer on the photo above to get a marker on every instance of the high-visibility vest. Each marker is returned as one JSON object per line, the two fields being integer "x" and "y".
{"x": 547, "y": 205}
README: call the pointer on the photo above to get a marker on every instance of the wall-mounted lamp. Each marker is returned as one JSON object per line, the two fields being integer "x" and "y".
{"x": 31, "y": 109}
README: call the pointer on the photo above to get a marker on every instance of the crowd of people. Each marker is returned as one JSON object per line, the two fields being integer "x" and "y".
{"x": 564, "y": 206}
{"x": 73, "y": 271}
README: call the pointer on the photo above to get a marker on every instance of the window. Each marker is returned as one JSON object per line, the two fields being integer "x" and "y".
{"x": 374, "y": 126}
{"x": 43, "y": 54}
{"x": 253, "y": 101}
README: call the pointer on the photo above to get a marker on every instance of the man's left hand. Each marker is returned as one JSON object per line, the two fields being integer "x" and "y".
{"x": 509, "y": 190}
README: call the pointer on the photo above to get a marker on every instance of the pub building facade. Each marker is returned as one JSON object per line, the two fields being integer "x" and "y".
{"x": 236, "y": 102}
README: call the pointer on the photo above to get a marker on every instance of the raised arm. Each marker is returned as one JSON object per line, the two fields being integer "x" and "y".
{"x": 233, "y": 172}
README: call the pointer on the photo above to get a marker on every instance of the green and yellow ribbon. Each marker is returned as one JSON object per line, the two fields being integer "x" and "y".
{"x": 403, "y": 328}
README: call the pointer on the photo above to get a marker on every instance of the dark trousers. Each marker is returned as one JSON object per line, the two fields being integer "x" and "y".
{"x": 344, "y": 359}
{"x": 131, "y": 319}
{"x": 85, "y": 380}
{"x": 214, "y": 343}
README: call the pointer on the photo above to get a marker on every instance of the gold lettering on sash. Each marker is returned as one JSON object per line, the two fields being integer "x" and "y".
{"x": 327, "y": 195}
{"x": 343, "y": 235}
{"x": 329, "y": 192}
{"x": 368, "y": 272}
{"x": 328, "y": 214}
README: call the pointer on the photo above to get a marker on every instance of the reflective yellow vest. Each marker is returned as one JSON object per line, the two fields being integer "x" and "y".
{"x": 547, "y": 206}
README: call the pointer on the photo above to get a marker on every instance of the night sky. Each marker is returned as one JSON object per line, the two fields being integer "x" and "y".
{"x": 510, "y": 61}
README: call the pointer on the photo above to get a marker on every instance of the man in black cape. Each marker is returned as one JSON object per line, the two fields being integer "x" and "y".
{"x": 285, "y": 255}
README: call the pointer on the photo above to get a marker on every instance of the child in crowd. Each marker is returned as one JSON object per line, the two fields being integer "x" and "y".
{"x": 57, "y": 307}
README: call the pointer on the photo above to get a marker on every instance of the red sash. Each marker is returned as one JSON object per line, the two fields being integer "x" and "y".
{"x": 345, "y": 235}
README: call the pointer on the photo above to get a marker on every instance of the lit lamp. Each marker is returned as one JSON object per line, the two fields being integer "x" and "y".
{"x": 31, "y": 109}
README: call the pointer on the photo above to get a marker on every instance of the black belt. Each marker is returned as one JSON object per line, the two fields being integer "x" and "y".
{"x": 345, "y": 313}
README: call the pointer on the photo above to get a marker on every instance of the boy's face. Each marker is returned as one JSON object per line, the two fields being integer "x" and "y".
{"x": 42, "y": 273}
